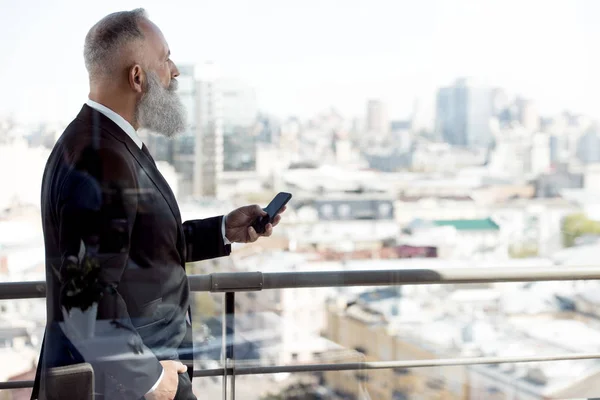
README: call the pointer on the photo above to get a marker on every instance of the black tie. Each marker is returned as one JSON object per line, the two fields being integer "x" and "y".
{"x": 147, "y": 153}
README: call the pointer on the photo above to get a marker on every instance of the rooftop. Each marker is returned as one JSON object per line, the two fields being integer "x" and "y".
{"x": 486, "y": 224}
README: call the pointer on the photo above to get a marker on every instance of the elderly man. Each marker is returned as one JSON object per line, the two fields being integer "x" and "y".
{"x": 105, "y": 204}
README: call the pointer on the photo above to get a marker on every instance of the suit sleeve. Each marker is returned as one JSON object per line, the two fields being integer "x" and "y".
{"x": 97, "y": 209}
{"x": 204, "y": 239}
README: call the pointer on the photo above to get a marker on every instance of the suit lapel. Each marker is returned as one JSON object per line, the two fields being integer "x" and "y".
{"x": 147, "y": 165}
{"x": 156, "y": 177}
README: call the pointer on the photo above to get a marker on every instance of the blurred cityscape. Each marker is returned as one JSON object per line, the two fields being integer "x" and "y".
{"x": 488, "y": 182}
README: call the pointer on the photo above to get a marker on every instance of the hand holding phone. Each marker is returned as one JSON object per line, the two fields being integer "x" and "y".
{"x": 274, "y": 207}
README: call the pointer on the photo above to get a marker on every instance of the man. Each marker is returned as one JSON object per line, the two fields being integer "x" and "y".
{"x": 104, "y": 200}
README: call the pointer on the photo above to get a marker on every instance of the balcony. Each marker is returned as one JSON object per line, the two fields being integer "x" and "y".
{"x": 231, "y": 366}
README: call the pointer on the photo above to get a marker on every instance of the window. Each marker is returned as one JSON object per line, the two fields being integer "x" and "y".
{"x": 344, "y": 211}
{"x": 327, "y": 211}
{"x": 384, "y": 210}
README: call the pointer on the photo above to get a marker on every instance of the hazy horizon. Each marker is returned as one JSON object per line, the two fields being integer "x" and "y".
{"x": 305, "y": 57}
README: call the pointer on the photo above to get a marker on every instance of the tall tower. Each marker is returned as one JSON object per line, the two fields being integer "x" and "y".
{"x": 463, "y": 114}
{"x": 239, "y": 114}
{"x": 183, "y": 157}
{"x": 377, "y": 119}
{"x": 208, "y": 165}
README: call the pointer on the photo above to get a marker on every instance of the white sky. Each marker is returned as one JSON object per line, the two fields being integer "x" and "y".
{"x": 305, "y": 56}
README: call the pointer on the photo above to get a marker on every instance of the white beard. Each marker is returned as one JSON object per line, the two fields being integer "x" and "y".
{"x": 160, "y": 110}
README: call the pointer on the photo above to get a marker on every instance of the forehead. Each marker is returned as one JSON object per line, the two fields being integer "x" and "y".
{"x": 154, "y": 38}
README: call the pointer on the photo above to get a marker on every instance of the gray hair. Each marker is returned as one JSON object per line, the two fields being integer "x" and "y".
{"x": 105, "y": 40}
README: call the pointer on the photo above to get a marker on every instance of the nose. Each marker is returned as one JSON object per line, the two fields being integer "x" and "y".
{"x": 174, "y": 71}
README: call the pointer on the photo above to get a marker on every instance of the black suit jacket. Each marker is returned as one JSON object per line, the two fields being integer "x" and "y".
{"x": 100, "y": 189}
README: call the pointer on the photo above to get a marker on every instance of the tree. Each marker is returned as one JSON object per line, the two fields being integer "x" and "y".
{"x": 577, "y": 225}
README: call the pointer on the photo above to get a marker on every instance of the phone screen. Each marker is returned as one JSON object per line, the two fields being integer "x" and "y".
{"x": 277, "y": 204}
{"x": 272, "y": 209}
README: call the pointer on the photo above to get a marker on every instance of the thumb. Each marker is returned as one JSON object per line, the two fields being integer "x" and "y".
{"x": 257, "y": 210}
{"x": 181, "y": 368}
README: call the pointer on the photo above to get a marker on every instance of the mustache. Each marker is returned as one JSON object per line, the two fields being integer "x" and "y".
{"x": 173, "y": 86}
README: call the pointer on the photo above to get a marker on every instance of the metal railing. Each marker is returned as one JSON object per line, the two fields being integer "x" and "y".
{"x": 230, "y": 283}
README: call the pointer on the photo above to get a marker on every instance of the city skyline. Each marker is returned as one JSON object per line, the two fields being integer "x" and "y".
{"x": 303, "y": 58}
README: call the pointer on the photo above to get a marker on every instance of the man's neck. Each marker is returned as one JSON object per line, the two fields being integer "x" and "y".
{"x": 119, "y": 106}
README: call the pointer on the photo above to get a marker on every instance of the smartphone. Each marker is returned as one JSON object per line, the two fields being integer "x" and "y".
{"x": 272, "y": 209}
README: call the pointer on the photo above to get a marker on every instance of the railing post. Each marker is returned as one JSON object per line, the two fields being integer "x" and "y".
{"x": 229, "y": 338}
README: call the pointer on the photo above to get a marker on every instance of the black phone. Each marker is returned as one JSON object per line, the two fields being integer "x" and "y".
{"x": 272, "y": 209}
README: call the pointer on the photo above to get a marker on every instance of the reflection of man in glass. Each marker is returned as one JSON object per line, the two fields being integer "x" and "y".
{"x": 104, "y": 200}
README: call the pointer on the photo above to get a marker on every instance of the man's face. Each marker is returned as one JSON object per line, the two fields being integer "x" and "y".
{"x": 158, "y": 55}
{"x": 160, "y": 109}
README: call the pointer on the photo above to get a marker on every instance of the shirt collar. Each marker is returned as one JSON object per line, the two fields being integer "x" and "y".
{"x": 117, "y": 119}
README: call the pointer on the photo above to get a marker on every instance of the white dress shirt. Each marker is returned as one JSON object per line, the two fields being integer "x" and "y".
{"x": 132, "y": 133}
{"x": 117, "y": 119}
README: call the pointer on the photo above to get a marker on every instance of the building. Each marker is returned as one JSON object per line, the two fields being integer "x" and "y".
{"x": 588, "y": 147}
{"x": 420, "y": 120}
{"x": 183, "y": 145}
{"x": 552, "y": 183}
{"x": 387, "y": 324}
{"x": 365, "y": 325}
{"x": 463, "y": 114}
{"x": 442, "y": 157}
{"x": 377, "y": 118}
{"x": 467, "y": 238}
{"x": 528, "y": 114}
{"x": 437, "y": 207}
{"x": 533, "y": 223}
{"x": 540, "y": 154}
{"x": 293, "y": 318}
{"x": 510, "y": 153}
{"x": 208, "y": 165}
{"x": 518, "y": 153}
{"x": 354, "y": 208}
{"x": 239, "y": 104}
{"x": 240, "y": 125}
{"x": 344, "y": 223}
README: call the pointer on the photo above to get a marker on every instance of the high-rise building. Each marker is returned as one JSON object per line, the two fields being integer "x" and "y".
{"x": 183, "y": 152}
{"x": 240, "y": 113}
{"x": 208, "y": 165}
{"x": 239, "y": 104}
{"x": 463, "y": 114}
{"x": 377, "y": 118}
{"x": 540, "y": 157}
{"x": 420, "y": 119}
{"x": 588, "y": 151}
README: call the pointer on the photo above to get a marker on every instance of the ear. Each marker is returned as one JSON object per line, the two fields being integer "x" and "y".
{"x": 137, "y": 78}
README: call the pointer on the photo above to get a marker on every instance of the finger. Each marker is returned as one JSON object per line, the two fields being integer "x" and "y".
{"x": 282, "y": 210}
{"x": 268, "y": 230}
{"x": 252, "y": 235}
{"x": 276, "y": 220}
{"x": 181, "y": 368}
